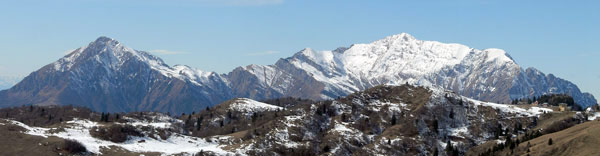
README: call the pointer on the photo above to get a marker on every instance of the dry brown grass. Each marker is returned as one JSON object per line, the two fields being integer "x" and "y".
{"x": 14, "y": 142}
{"x": 579, "y": 140}
{"x": 545, "y": 122}
{"x": 548, "y": 119}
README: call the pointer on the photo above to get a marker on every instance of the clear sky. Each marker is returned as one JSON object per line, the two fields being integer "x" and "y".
{"x": 559, "y": 37}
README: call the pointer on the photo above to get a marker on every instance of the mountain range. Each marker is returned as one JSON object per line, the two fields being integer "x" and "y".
{"x": 8, "y": 81}
{"x": 109, "y": 76}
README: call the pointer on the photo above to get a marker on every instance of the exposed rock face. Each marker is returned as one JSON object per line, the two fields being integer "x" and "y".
{"x": 108, "y": 76}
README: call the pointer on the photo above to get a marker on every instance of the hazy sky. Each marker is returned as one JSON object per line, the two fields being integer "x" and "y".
{"x": 559, "y": 37}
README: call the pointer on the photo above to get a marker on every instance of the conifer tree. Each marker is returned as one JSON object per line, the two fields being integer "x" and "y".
{"x": 198, "y": 123}
{"x": 449, "y": 147}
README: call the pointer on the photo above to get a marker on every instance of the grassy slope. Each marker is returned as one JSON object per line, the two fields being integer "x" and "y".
{"x": 15, "y": 142}
{"x": 545, "y": 121}
{"x": 579, "y": 140}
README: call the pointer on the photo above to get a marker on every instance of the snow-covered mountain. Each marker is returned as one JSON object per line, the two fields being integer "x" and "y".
{"x": 108, "y": 76}
{"x": 489, "y": 74}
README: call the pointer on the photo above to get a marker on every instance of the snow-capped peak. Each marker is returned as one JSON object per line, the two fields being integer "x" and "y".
{"x": 107, "y": 52}
{"x": 395, "y": 59}
{"x": 112, "y": 55}
{"x": 398, "y": 37}
{"x": 107, "y": 41}
{"x": 494, "y": 54}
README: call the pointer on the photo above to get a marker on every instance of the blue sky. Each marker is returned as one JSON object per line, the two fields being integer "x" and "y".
{"x": 559, "y": 37}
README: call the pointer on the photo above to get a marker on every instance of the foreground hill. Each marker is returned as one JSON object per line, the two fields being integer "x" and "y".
{"x": 108, "y": 76}
{"x": 383, "y": 120}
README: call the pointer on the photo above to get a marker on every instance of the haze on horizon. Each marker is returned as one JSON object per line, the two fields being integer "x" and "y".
{"x": 553, "y": 36}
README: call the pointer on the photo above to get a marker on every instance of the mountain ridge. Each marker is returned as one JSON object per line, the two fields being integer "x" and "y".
{"x": 119, "y": 78}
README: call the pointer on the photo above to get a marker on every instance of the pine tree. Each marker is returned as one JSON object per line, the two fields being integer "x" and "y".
{"x": 498, "y": 131}
{"x": 509, "y": 143}
{"x": 435, "y": 125}
{"x": 198, "y": 123}
{"x": 550, "y": 141}
{"x": 449, "y": 147}
{"x": 394, "y": 119}
{"x": 254, "y": 117}
{"x": 187, "y": 122}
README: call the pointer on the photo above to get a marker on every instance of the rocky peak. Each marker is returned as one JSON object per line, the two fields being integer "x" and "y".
{"x": 107, "y": 41}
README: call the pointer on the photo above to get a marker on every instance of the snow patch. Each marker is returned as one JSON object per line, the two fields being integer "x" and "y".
{"x": 250, "y": 106}
{"x": 533, "y": 111}
{"x": 78, "y": 129}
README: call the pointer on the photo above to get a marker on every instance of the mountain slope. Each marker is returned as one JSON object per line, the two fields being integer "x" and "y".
{"x": 108, "y": 76}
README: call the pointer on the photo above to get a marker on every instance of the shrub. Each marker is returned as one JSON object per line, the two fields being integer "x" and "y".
{"x": 73, "y": 147}
{"x": 115, "y": 133}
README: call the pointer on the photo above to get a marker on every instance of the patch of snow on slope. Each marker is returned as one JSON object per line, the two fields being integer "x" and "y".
{"x": 251, "y": 106}
{"x": 594, "y": 116}
{"x": 79, "y": 130}
{"x": 393, "y": 107}
{"x": 157, "y": 120}
{"x": 37, "y": 131}
{"x": 460, "y": 131}
{"x": 533, "y": 111}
